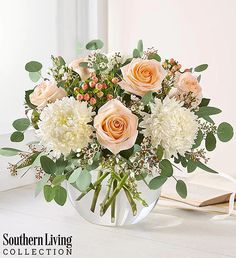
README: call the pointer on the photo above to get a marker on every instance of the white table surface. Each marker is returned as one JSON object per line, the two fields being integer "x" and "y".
{"x": 167, "y": 232}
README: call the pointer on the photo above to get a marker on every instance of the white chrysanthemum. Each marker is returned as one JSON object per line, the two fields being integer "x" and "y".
{"x": 171, "y": 125}
{"x": 63, "y": 126}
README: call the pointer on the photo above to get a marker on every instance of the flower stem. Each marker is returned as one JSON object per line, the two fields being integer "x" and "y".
{"x": 96, "y": 193}
{"x": 131, "y": 201}
{"x": 114, "y": 194}
{"x": 109, "y": 184}
{"x": 95, "y": 184}
{"x": 113, "y": 204}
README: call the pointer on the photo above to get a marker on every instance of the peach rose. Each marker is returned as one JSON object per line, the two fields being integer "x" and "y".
{"x": 142, "y": 76}
{"x": 82, "y": 71}
{"x": 46, "y": 92}
{"x": 116, "y": 126}
{"x": 187, "y": 83}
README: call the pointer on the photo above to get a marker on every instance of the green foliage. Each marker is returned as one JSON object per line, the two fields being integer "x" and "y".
{"x": 207, "y": 111}
{"x": 154, "y": 56}
{"x": 200, "y": 68}
{"x": 95, "y": 44}
{"x": 160, "y": 152}
{"x": 127, "y": 153}
{"x": 17, "y": 137}
{"x": 140, "y": 46}
{"x": 204, "y": 102}
{"x": 33, "y": 66}
{"x": 74, "y": 176}
{"x": 60, "y": 195}
{"x": 58, "y": 179}
{"x": 141, "y": 176}
{"x": 34, "y": 76}
{"x": 205, "y": 167}
{"x": 21, "y": 124}
{"x": 61, "y": 61}
{"x": 48, "y": 165}
{"x": 181, "y": 189}
{"x": 8, "y": 152}
{"x": 49, "y": 193}
{"x": 84, "y": 180}
{"x": 61, "y": 165}
{"x": 29, "y": 161}
{"x": 191, "y": 166}
{"x": 83, "y": 64}
{"x": 166, "y": 168}
{"x": 40, "y": 184}
{"x": 198, "y": 140}
{"x": 136, "y": 53}
{"x": 96, "y": 162}
{"x": 225, "y": 132}
{"x": 147, "y": 98}
{"x": 27, "y": 99}
{"x": 157, "y": 182}
{"x": 210, "y": 141}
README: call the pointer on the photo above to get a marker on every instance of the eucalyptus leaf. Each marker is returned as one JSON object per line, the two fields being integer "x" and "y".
{"x": 48, "y": 165}
{"x": 225, "y": 132}
{"x": 166, "y": 168}
{"x": 34, "y": 76}
{"x": 181, "y": 189}
{"x": 205, "y": 167}
{"x": 136, "y": 53}
{"x": 154, "y": 56}
{"x": 49, "y": 193}
{"x": 33, "y": 66}
{"x": 191, "y": 166}
{"x": 95, "y": 44}
{"x": 198, "y": 140}
{"x": 160, "y": 152}
{"x": 58, "y": 179}
{"x": 140, "y": 46}
{"x": 28, "y": 161}
{"x": 157, "y": 182}
{"x": 21, "y": 124}
{"x": 204, "y": 102}
{"x": 8, "y": 152}
{"x": 207, "y": 111}
{"x": 201, "y": 68}
{"x": 147, "y": 98}
{"x": 27, "y": 99}
{"x": 74, "y": 176}
{"x": 40, "y": 184}
{"x": 83, "y": 180}
{"x": 60, "y": 195}
{"x": 17, "y": 137}
{"x": 210, "y": 141}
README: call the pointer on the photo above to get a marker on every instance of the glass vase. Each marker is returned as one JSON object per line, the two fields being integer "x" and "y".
{"x": 125, "y": 209}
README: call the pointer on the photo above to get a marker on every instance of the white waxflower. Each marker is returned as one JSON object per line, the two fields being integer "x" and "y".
{"x": 63, "y": 126}
{"x": 171, "y": 125}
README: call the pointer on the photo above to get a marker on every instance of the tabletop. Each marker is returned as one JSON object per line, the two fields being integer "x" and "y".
{"x": 171, "y": 229}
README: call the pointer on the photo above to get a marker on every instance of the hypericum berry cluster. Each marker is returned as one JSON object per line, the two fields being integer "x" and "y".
{"x": 95, "y": 91}
{"x": 172, "y": 66}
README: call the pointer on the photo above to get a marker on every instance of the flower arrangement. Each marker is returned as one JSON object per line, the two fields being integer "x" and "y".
{"x": 128, "y": 118}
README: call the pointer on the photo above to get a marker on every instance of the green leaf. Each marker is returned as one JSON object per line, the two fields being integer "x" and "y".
{"x": 61, "y": 165}
{"x": 83, "y": 180}
{"x": 210, "y": 141}
{"x": 33, "y": 66}
{"x": 183, "y": 161}
{"x": 61, "y": 61}
{"x": 27, "y": 99}
{"x": 140, "y": 46}
{"x": 34, "y": 76}
{"x": 147, "y": 98}
{"x": 198, "y": 140}
{"x": 206, "y": 168}
{"x": 204, "y": 102}
{"x": 94, "y": 44}
{"x": 8, "y": 152}
{"x": 29, "y": 161}
{"x": 60, "y": 195}
{"x": 41, "y": 184}
{"x": 17, "y": 137}
{"x": 154, "y": 56}
{"x": 49, "y": 193}
{"x": 74, "y": 176}
{"x": 207, "y": 111}
{"x": 137, "y": 148}
{"x": 208, "y": 119}
{"x": 225, "y": 132}
{"x": 201, "y": 68}
{"x": 160, "y": 152}
{"x": 48, "y": 165}
{"x": 141, "y": 176}
{"x": 83, "y": 64}
{"x": 21, "y": 124}
{"x": 199, "y": 78}
{"x": 136, "y": 53}
{"x": 191, "y": 166}
{"x": 96, "y": 162}
{"x": 58, "y": 179}
{"x": 181, "y": 189}
{"x": 166, "y": 168}
{"x": 127, "y": 153}
{"x": 157, "y": 182}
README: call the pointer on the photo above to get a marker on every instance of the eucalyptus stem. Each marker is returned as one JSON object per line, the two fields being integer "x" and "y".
{"x": 114, "y": 194}
{"x": 113, "y": 204}
{"x": 96, "y": 193}
{"x": 95, "y": 184}
{"x": 131, "y": 201}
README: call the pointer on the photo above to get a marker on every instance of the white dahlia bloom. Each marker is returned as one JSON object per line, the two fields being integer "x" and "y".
{"x": 171, "y": 125}
{"x": 63, "y": 126}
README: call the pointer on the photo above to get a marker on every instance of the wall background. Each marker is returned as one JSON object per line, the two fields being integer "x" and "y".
{"x": 193, "y": 32}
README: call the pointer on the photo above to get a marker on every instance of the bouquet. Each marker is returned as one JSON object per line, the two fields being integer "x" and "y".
{"x": 127, "y": 118}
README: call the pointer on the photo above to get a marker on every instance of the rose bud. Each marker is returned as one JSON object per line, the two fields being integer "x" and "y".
{"x": 109, "y": 97}
{"x": 104, "y": 86}
{"x": 92, "y": 84}
{"x": 76, "y": 89}
{"x": 100, "y": 94}
{"x": 94, "y": 78}
{"x": 99, "y": 86}
{"x": 115, "y": 80}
